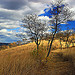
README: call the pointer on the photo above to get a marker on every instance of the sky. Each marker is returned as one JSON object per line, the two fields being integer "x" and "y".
{"x": 13, "y": 11}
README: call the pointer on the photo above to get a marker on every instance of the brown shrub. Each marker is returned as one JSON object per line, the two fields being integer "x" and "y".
{"x": 12, "y": 44}
{"x": 3, "y": 47}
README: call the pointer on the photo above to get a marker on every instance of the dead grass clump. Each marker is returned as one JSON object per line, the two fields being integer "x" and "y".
{"x": 3, "y": 47}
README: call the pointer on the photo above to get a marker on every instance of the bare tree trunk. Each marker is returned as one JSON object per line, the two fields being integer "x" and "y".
{"x": 60, "y": 44}
{"x": 37, "y": 45}
{"x": 51, "y": 44}
{"x": 37, "y": 48}
{"x": 72, "y": 43}
{"x": 48, "y": 44}
{"x": 67, "y": 42}
{"x": 53, "y": 34}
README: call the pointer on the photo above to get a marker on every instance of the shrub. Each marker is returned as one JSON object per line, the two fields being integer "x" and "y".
{"x": 3, "y": 47}
{"x": 41, "y": 54}
{"x": 12, "y": 44}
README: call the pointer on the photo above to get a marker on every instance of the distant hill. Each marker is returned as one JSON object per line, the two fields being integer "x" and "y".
{"x": 4, "y": 44}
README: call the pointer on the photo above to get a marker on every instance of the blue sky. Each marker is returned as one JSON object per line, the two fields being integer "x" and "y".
{"x": 12, "y": 12}
{"x": 71, "y": 25}
{"x": 50, "y": 11}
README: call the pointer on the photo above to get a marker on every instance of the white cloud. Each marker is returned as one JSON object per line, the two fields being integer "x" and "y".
{"x": 10, "y": 17}
{"x": 8, "y": 36}
{"x": 9, "y": 24}
{"x": 3, "y": 30}
{"x": 44, "y": 18}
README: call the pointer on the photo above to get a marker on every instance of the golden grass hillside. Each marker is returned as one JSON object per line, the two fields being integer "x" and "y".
{"x": 16, "y": 60}
{"x": 67, "y": 54}
{"x": 20, "y": 61}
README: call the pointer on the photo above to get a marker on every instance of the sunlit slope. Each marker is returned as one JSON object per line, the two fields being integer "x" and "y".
{"x": 67, "y": 54}
{"x": 16, "y": 60}
{"x": 56, "y": 44}
{"x": 19, "y": 61}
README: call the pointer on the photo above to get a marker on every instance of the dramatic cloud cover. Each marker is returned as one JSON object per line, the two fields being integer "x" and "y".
{"x": 12, "y": 11}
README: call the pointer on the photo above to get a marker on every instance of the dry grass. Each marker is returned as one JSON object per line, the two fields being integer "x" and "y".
{"x": 67, "y": 54}
{"x": 56, "y": 44}
{"x": 16, "y": 60}
{"x": 20, "y": 61}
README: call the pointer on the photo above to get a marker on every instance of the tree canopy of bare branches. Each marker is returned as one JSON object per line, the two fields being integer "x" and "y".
{"x": 35, "y": 28}
{"x": 59, "y": 13}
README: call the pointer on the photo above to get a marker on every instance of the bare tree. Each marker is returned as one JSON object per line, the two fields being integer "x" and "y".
{"x": 70, "y": 37}
{"x": 67, "y": 34}
{"x": 22, "y": 37}
{"x": 60, "y": 36}
{"x": 19, "y": 42}
{"x": 59, "y": 13}
{"x": 73, "y": 39}
{"x": 35, "y": 28}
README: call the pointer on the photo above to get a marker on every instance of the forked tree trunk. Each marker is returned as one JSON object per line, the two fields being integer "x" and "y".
{"x": 37, "y": 43}
{"x": 53, "y": 35}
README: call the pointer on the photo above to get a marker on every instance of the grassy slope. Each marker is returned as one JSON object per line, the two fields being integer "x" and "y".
{"x": 67, "y": 54}
{"x": 18, "y": 61}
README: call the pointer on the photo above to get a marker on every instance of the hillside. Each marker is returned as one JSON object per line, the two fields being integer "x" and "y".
{"x": 4, "y": 44}
{"x": 20, "y": 61}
